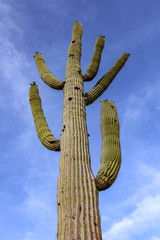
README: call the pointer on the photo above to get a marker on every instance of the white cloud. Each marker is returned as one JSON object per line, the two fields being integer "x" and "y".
{"x": 31, "y": 236}
{"x": 40, "y": 188}
{"x": 138, "y": 105}
{"x": 13, "y": 63}
{"x": 7, "y": 19}
{"x": 145, "y": 216}
{"x": 155, "y": 238}
{"x": 38, "y": 206}
{"x": 14, "y": 85}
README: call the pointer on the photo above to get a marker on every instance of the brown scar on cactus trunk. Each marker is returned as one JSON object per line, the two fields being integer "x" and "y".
{"x": 78, "y": 189}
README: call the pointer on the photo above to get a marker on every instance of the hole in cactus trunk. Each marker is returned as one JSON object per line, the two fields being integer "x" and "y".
{"x": 52, "y": 141}
{"x": 77, "y": 88}
{"x": 70, "y": 98}
{"x": 71, "y": 55}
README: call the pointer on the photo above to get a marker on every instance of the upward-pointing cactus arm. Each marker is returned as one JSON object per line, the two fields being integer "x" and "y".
{"x": 111, "y": 151}
{"x": 43, "y": 131}
{"x": 106, "y": 80}
{"x": 95, "y": 61}
{"x": 46, "y": 75}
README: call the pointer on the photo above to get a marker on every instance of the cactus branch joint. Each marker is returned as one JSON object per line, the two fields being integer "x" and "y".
{"x": 78, "y": 189}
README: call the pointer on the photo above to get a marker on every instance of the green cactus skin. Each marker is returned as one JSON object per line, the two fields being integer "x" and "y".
{"x": 106, "y": 80}
{"x": 43, "y": 131}
{"x": 95, "y": 61}
{"x": 111, "y": 151}
{"x": 77, "y": 195}
{"x": 77, "y": 203}
{"x": 46, "y": 75}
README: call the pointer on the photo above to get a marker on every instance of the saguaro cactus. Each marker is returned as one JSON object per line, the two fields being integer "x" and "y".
{"x": 78, "y": 190}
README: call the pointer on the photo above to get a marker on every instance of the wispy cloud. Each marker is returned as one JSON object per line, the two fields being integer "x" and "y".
{"x": 39, "y": 201}
{"x": 144, "y": 217}
{"x": 13, "y": 64}
{"x": 31, "y": 236}
{"x": 13, "y": 61}
{"x": 155, "y": 238}
{"x": 138, "y": 106}
{"x": 14, "y": 85}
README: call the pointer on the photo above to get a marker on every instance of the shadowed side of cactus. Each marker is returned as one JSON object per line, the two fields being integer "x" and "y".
{"x": 78, "y": 190}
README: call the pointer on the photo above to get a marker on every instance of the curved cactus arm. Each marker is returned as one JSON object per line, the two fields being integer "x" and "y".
{"x": 111, "y": 152}
{"x": 45, "y": 74}
{"x": 43, "y": 131}
{"x": 106, "y": 80}
{"x": 95, "y": 61}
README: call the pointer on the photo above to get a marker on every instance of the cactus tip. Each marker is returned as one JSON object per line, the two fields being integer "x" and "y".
{"x": 36, "y": 54}
{"x": 103, "y": 36}
{"x": 76, "y": 22}
{"x": 127, "y": 54}
{"x": 33, "y": 84}
{"x": 102, "y": 101}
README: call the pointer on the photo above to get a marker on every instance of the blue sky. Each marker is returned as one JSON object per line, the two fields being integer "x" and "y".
{"x": 130, "y": 209}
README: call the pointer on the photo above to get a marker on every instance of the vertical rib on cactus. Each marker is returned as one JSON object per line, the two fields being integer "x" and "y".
{"x": 95, "y": 61}
{"x": 78, "y": 190}
{"x": 106, "y": 80}
{"x": 46, "y": 75}
{"x": 78, "y": 213}
{"x": 43, "y": 131}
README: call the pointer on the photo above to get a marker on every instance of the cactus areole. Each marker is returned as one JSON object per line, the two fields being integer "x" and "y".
{"x": 78, "y": 189}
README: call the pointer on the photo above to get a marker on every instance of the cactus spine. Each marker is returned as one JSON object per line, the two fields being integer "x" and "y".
{"x": 77, "y": 199}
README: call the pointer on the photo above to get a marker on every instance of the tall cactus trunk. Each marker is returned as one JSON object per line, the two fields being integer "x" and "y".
{"x": 78, "y": 212}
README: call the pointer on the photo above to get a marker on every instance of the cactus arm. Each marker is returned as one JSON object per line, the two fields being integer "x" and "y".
{"x": 95, "y": 61}
{"x": 111, "y": 152}
{"x": 106, "y": 80}
{"x": 45, "y": 74}
{"x": 43, "y": 131}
